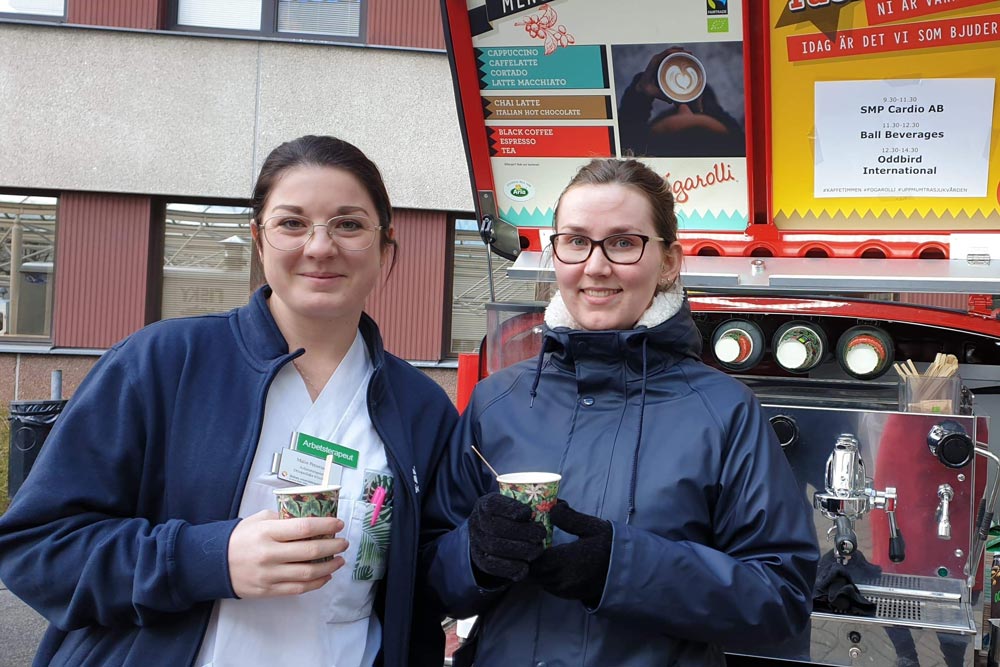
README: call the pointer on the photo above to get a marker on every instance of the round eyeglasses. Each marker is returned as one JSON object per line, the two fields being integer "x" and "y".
{"x": 291, "y": 232}
{"x": 618, "y": 248}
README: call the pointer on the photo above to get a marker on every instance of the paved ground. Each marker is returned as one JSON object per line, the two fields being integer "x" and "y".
{"x": 20, "y": 630}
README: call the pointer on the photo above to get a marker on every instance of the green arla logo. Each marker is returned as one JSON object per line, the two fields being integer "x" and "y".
{"x": 519, "y": 190}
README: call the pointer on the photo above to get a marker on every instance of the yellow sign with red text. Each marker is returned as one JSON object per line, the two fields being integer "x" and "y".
{"x": 885, "y": 114}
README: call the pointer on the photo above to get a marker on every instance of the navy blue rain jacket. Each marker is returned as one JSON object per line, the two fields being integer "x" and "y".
{"x": 713, "y": 541}
{"x": 119, "y": 535}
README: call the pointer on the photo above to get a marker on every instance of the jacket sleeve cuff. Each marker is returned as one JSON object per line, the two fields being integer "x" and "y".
{"x": 452, "y": 577}
{"x": 200, "y": 562}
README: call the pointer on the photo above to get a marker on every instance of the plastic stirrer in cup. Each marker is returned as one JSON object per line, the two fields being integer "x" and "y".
{"x": 495, "y": 473}
{"x": 327, "y": 468}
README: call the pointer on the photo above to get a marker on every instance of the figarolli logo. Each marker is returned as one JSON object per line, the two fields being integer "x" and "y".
{"x": 683, "y": 186}
{"x": 519, "y": 190}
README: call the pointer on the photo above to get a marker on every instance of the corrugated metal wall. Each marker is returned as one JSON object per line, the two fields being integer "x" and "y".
{"x": 415, "y": 23}
{"x": 137, "y": 14}
{"x": 953, "y": 301}
{"x": 102, "y": 273}
{"x": 409, "y": 308}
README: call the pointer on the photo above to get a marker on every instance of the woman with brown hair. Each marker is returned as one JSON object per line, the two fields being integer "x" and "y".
{"x": 146, "y": 533}
{"x": 679, "y": 525}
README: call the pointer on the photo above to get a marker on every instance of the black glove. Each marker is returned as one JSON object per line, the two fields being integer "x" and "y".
{"x": 503, "y": 539}
{"x": 835, "y": 589}
{"x": 577, "y": 570}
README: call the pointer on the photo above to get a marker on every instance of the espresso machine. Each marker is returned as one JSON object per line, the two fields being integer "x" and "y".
{"x": 902, "y": 508}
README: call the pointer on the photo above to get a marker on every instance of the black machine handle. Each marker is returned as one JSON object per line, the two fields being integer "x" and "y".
{"x": 844, "y": 538}
{"x": 897, "y": 546}
{"x": 984, "y": 520}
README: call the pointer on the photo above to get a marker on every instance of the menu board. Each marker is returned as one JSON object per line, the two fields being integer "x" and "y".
{"x": 565, "y": 81}
{"x": 895, "y": 114}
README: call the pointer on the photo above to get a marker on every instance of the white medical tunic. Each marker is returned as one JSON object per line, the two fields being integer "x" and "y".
{"x": 333, "y": 626}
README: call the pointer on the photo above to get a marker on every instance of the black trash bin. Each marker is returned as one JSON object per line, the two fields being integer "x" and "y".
{"x": 30, "y": 423}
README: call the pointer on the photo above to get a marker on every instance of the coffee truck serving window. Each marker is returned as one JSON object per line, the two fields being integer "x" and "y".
{"x": 27, "y": 261}
{"x": 206, "y": 259}
{"x": 471, "y": 289}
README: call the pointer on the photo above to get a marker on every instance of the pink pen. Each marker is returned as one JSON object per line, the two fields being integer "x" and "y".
{"x": 378, "y": 498}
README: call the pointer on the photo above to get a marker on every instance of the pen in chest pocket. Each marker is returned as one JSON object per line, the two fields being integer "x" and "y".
{"x": 378, "y": 499}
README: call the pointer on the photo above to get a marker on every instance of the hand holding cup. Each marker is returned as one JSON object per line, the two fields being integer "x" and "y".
{"x": 503, "y": 540}
{"x": 576, "y": 570}
{"x": 269, "y": 556}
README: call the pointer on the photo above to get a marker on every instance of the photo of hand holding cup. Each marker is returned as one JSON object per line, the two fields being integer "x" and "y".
{"x": 680, "y": 100}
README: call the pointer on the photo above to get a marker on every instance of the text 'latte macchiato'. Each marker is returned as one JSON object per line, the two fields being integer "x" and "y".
{"x": 681, "y": 77}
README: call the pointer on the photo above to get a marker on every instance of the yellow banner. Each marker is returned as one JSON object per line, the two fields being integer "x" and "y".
{"x": 877, "y": 155}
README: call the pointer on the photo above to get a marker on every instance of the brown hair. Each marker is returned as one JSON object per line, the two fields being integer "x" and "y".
{"x": 634, "y": 174}
{"x": 326, "y": 151}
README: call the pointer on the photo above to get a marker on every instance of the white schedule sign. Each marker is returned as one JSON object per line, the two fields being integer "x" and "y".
{"x": 903, "y": 138}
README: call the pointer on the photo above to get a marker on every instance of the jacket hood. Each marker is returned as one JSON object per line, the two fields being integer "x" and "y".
{"x": 666, "y": 343}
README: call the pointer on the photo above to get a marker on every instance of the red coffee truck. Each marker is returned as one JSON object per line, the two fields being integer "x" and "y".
{"x": 836, "y": 169}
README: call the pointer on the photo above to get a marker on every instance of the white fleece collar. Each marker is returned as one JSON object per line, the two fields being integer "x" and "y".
{"x": 664, "y": 306}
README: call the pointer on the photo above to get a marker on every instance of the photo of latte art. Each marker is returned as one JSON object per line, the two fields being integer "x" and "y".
{"x": 680, "y": 81}
{"x": 682, "y": 77}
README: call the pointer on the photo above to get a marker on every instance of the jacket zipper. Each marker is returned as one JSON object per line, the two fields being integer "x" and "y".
{"x": 411, "y": 495}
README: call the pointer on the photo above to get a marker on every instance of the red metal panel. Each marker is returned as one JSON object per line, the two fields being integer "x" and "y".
{"x": 835, "y": 307}
{"x": 138, "y": 14}
{"x": 414, "y": 23}
{"x": 409, "y": 306}
{"x": 102, "y": 252}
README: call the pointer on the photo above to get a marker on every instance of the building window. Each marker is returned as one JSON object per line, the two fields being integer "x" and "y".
{"x": 341, "y": 18}
{"x": 229, "y": 15}
{"x": 27, "y": 262}
{"x": 34, "y": 8}
{"x": 314, "y": 19}
{"x": 206, "y": 259}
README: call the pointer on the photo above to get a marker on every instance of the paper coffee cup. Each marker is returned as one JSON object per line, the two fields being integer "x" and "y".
{"x": 303, "y": 501}
{"x": 296, "y": 502}
{"x": 681, "y": 77}
{"x": 535, "y": 489}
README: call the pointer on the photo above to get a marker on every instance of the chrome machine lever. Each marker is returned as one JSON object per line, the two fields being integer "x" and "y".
{"x": 942, "y": 515}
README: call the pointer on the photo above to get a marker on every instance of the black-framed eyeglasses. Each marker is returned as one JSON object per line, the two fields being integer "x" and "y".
{"x": 291, "y": 232}
{"x": 618, "y": 248}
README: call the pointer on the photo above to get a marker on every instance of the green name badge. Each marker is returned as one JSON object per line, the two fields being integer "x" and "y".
{"x": 313, "y": 446}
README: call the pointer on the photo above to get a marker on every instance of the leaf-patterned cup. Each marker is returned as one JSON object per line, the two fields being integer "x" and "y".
{"x": 302, "y": 501}
{"x": 535, "y": 489}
